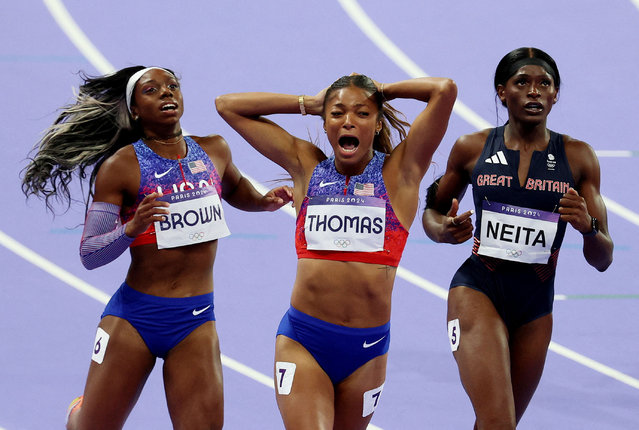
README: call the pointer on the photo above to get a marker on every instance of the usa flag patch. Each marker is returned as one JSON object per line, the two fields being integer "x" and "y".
{"x": 364, "y": 189}
{"x": 197, "y": 166}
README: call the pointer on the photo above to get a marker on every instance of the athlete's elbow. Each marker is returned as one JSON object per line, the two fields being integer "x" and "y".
{"x": 450, "y": 87}
{"x": 222, "y": 105}
{"x": 88, "y": 262}
{"x": 89, "y": 259}
{"x": 602, "y": 263}
{"x": 603, "y": 266}
{"x": 219, "y": 104}
{"x": 448, "y": 90}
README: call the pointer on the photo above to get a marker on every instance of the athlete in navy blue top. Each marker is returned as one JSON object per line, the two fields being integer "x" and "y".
{"x": 165, "y": 306}
{"x": 353, "y": 216}
{"x": 528, "y": 184}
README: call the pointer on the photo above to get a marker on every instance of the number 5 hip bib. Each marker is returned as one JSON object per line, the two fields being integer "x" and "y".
{"x": 345, "y": 223}
{"x": 517, "y": 234}
{"x": 195, "y": 216}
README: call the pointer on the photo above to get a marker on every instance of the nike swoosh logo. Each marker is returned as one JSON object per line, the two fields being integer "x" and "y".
{"x": 159, "y": 175}
{"x": 324, "y": 184}
{"x": 368, "y": 345}
{"x": 197, "y": 312}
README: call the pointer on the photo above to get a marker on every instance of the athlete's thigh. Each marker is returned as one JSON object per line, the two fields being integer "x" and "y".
{"x": 528, "y": 348}
{"x": 482, "y": 353}
{"x": 114, "y": 385}
{"x": 304, "y": 392}
{"x": 193, "y": 380}
{"x": 357, "y": 396}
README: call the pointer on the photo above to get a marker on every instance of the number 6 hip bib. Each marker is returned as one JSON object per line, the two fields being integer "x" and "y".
{"x": 517, "y": 234}
{"x": 345, "y": 223}
{"x": 195, "y": 216}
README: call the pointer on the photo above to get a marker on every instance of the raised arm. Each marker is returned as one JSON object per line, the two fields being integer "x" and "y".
{"x": 428, "y": 128}
{"x": 244, "y": 112}
{"x": 579, "y": 206}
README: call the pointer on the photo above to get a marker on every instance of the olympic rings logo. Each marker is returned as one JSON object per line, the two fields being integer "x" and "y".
{"x": 197, "y": 236}
{"x": 342, "y": 243}
{"x": 514, "y": 252}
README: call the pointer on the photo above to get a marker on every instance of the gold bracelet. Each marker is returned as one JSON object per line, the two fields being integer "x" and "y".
{"x": 300, "y": 100}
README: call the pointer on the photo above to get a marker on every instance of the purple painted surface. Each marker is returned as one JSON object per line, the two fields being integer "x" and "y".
{"x": 47, "y": 328}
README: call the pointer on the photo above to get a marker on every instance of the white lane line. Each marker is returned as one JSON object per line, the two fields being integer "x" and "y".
{"x": 422, "y": 283}
{"x": 368, "y": 27}
{"x": 616, "y": 153}
{"x": 77, "y": 36}
{"x": 247, "y": 371}
{"x": 620, "y": 210}
{"x": 588, "y": 362}
{"x": 377, "y": 36}
{"x": 53, "y": 269}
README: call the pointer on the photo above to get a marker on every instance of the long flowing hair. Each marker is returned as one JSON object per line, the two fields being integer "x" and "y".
{"x": 389, "y": 115}
{"x": 84, "y": 134}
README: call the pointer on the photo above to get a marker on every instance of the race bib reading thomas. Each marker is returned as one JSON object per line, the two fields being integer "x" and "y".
{"x": 345, "y": 223}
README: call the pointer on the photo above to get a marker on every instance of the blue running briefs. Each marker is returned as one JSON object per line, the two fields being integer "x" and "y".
{"x": 339, "y": 350}
{"x": 163, "y": 322}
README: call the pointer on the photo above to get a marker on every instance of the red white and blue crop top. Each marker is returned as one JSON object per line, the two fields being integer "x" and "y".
{"x": 349, "y": 218}
{"x": 195, "y": 170}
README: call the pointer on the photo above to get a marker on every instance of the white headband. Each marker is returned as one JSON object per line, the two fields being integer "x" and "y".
{"x": 130, "y": 85}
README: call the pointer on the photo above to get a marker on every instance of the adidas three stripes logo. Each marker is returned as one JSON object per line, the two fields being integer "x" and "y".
{"x": 498, "y": 158}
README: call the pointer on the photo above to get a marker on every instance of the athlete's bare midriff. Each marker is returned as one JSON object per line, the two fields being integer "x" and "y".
{"x": 173, "y": 272}
{"x": 349, "y": 293}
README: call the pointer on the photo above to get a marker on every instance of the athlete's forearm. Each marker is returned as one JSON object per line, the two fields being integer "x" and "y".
{"x": 103, "y": 238}
{"x": 434, "y": 224}
{"x": 598, "y": 250}
{"x": 245, "y": 197}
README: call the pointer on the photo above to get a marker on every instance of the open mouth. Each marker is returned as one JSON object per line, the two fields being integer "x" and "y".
{"x": 168, "y": 107}
{"x": 348, "y": 143}
{"x": 534, "y": 107}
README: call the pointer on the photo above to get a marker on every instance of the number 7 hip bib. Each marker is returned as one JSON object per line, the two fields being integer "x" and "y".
{"x": 516, "y": 233}
{"x": 345, "y": 223}
{"x": 195, "y": 216}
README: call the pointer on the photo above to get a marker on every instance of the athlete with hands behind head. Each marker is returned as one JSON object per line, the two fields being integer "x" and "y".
{"x": 157, "y": 192}
{"x": 528, "y": 184}
{"x": 354, "y": 211}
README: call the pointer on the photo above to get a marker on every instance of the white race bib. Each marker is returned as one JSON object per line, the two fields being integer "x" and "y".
{"x": 517, "y": 234}
{"x": 345, "y": 223}
{"x": 195, "y": 216}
